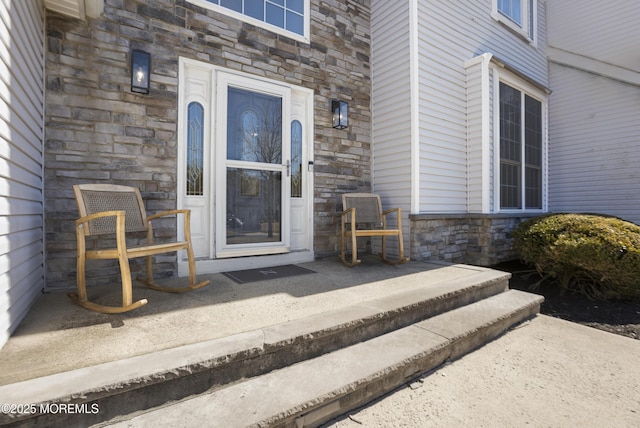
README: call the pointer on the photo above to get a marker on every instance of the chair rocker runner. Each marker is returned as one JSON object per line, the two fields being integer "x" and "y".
{"x": 363, "y": 216}
{"x": 116, "y": 210}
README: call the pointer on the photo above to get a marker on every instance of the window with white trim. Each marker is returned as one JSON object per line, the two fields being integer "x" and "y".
{"x": 522, "y": 137}
{"x": 519, "y": 15}
{"x": 288, "y": 17}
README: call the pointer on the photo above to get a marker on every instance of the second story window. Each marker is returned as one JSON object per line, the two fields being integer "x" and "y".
{"x": 288, "y": 17}
{"x": 519, "y": 15}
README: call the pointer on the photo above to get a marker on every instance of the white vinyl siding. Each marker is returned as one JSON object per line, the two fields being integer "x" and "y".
{"x": 594, "y": 132}
{"x": 444, "y": 47}
{"x": 391, "y": 105}
{"x": 442, "y": 114}
{"x": 595, "y": 146}
{"x": 604, "y": 31}
{"x": 21, "y": 158}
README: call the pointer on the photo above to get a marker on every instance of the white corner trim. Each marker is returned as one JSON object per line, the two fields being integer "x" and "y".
{"x": 484, "y": 62}
{"x": 486, "y": 131}
{"x": 414, "y": 72}
{"x": 485, "y": 57}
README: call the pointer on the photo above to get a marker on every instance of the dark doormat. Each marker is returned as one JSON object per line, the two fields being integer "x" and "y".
{"x": 275, "y": 272}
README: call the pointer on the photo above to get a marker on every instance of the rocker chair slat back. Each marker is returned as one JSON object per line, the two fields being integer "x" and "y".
{"x": 368, "y": 207}
{"x": 95, "y": 198}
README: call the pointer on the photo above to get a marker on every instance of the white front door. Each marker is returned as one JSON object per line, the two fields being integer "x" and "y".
{"x": 245, "y": 163}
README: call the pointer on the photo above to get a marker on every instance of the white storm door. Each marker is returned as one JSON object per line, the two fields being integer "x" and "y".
{"x": 253, "y": 171}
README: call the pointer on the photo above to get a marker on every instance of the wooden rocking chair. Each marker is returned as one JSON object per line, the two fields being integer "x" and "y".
{"x": 111, "y": 209}
{"x": 363, "y": 216}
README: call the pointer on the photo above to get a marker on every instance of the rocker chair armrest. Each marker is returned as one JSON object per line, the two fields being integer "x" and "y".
{"x": 398, "y": 212}
{"x": 166, "y": 214}
{"x": 344, "y": 215}
{"x": 94, "y": 216}
{"x": 82, "y": 221}
{"x": 347, "y": 212}
{"x": 187, "y": 222}
{"x": 389, "y": 211}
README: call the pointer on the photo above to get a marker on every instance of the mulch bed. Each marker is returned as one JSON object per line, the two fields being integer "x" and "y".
{"x": 619, "y": 317}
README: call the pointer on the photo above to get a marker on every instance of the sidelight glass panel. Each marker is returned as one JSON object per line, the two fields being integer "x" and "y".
{"x": 195, "y": 148}
{"x": 296, "y": 159}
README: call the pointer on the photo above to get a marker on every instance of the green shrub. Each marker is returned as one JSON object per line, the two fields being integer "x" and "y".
{"x": 595, "y": 255}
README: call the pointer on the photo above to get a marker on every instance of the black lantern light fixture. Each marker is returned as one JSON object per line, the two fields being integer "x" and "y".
{"x": 339, "y": 114}
{"x": 140, "y": 70}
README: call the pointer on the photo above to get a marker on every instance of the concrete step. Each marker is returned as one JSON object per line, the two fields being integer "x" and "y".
{"x": 147, "y": 381}
{"x": 315, "y": 391}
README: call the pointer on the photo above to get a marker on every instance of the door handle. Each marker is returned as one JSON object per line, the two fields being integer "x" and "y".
{"x": 288, "y": 165}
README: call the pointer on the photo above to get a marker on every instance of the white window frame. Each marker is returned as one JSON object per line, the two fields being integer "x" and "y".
{"x": 258, "y": 23}
{"x": 503, "y": 76}
{"x": 529, "y": 19}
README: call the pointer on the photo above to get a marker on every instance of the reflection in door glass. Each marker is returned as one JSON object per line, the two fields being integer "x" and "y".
{"x": 254, "y": 194}
{"x": 254, "y": 127}
{"x": 254, "y": 199}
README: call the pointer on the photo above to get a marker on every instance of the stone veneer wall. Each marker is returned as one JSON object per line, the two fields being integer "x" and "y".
{"x": 98, "y": 131}
{"x": 478, "y": 239}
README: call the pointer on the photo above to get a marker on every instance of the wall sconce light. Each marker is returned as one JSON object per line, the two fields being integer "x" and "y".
{"x": 339, "y": 114}
{"x": 140, "y": 69}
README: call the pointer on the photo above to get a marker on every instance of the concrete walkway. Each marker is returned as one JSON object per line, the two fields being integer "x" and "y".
{"x": 546, "y": 373}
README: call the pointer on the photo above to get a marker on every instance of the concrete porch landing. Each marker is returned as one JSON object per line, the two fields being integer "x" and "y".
{"x": 58, "y": 336}
{"x": 377, "y": 325}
